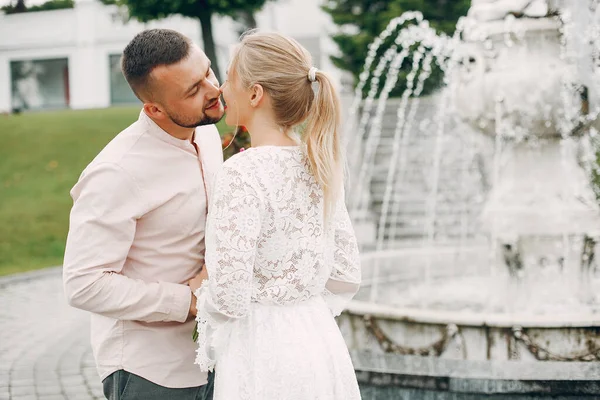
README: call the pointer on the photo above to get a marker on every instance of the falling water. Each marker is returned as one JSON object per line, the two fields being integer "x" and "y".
{"x": 405, "y": 133}
{"x": 364, "y": 76}
{"x": 375, "y": 130}
{"x": 355, "y": 144}
{"x": 405, "y": 40}
{"x": 447, "y": 69}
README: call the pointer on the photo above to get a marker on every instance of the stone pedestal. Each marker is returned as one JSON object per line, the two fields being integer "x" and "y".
{"x": 520, "y": 85}
{"x": 543, "y": 216}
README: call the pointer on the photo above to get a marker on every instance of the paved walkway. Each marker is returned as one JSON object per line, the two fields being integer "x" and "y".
{"x": 44, "y": 343}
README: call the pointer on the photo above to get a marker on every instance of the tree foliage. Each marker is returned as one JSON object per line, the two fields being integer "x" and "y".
{"x": 204, "y": 10}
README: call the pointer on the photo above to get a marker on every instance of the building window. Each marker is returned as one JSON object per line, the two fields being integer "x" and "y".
{"x": 120, "y": 92}
{"x": 40, "y": 84}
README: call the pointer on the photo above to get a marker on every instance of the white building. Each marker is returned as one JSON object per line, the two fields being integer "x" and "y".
{"x": 70, "y": 58}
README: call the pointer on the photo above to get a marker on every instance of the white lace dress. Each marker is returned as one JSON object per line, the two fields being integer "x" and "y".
{"x": 276, "y": 281}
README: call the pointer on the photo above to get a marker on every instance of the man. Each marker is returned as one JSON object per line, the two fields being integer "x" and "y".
{"x": 136, "y": 231}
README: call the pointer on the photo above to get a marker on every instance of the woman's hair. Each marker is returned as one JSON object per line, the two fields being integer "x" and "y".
{"x": 281, "y": 66}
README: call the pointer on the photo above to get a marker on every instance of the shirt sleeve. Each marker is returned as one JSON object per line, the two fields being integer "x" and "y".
{"x": 232, "y": 233}
{"x": 107, "y": 205}
{"x": 345, "y": 277}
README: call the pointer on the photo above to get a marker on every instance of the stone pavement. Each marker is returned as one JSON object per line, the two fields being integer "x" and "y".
{"x": 44, "y": 343}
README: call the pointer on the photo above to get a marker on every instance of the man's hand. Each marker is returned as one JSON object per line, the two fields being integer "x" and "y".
{"x": 193, "y": 310}
{"x": 196, "y": 281}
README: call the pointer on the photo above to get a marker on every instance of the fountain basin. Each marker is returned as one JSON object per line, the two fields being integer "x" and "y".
{"x": 387, "y": 377}
{"x": 489, "y": 318}
{"x": 462, "y": 356}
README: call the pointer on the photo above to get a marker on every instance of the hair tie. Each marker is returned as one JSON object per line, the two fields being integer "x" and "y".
{"x": 312, "y": 74}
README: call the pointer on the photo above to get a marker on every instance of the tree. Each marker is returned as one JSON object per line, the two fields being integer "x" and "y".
{"x": 20, "y": 7}
{"x": 204, "y": 10}
{"x": 246, "y": 21}
{"x": 361, "y": 21}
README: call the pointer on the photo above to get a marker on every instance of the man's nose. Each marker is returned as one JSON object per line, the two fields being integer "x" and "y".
{"x": 213, "y": 85}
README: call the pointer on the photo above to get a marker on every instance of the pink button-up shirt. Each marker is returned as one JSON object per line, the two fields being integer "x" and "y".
{"x": 136, "y": 236}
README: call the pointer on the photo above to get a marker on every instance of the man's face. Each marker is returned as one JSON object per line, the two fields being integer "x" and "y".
{"x": 188, "y": 91}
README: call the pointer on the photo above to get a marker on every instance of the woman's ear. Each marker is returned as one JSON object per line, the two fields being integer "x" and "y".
{"x": 256, "y": 95}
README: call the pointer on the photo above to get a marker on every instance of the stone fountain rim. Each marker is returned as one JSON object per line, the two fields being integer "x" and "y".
{"x": 484, "y": 377}
{"x": 472, "y": 319}
{"x": 480, "y": 369}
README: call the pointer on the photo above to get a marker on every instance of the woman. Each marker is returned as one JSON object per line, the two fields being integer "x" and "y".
{"x": 281, "y": 254}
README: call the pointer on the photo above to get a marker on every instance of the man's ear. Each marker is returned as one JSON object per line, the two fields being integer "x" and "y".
{"x": 256, "y": 95}
{"x": 151, "y": 106}
{"x": 154, "y": 111}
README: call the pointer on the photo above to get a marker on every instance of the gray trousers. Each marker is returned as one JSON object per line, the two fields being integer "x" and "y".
{"x": 123, "y": 385}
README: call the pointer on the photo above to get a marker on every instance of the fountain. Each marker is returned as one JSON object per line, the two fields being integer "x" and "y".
{"x": 475, "y": 212}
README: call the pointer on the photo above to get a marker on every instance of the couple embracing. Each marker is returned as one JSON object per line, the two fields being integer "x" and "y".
{"x": 257, "y": 254}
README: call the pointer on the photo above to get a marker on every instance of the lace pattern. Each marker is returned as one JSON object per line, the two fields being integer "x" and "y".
{"x": 204, "y": 360}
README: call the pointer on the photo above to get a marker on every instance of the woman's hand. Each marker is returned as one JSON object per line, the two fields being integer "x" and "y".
{"x": 194, "y": 284}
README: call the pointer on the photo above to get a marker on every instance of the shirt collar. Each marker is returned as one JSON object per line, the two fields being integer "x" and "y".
{"x": 159, "y": 133}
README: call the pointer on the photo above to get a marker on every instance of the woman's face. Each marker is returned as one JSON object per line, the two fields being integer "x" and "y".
{"x": 237, "y": 100}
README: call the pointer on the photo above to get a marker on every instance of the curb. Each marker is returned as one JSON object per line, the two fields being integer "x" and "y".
{"x": 21, "y": 277}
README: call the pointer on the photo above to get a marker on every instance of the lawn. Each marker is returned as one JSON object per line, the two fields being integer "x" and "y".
{"x": 41, "y": 157}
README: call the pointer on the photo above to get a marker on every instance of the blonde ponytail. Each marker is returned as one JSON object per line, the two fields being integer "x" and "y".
{"x": 322, "y": 138}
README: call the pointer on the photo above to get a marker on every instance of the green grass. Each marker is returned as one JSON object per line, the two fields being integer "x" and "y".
{"x": 41, "y": 158}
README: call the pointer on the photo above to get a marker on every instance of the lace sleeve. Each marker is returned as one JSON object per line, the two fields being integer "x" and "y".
{"x": 344, "y": 280}
{"x": 232, "y": 233}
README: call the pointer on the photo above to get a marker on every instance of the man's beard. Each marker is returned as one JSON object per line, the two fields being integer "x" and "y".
{"x": 193, "y": 122}
{"x": 204, "y": 120}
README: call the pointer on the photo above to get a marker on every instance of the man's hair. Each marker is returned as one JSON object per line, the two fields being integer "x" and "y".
{"x": 148, "y": 50}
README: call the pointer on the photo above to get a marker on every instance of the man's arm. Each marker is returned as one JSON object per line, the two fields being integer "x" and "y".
{"x": 107, "y": 204}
